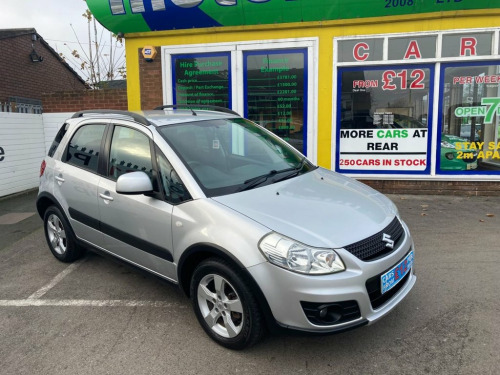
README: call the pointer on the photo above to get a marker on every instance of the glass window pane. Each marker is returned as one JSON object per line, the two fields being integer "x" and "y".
{"x": 423, "y": 47}
{"x": 130, "y": 152}
{"x": 470, "y": 119}
{"x": 206, "y": 148}
{"x": 461, "y": 45}
{"x": 202, "y": 79}
{"x": 383, "y": 119}
{"x": 361, "y": 50}
{"x": 59, "y": 136}
{"x": 276, "y": 93}
{"x": 172, "y": 186}
{"x": 83, "y": 150}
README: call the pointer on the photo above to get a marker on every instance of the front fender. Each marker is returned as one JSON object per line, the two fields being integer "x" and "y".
{"x": 205, "y": 221}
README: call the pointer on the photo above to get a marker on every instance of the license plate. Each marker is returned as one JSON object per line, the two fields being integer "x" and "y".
{"x": 472, "y": 165}
{"x": 392, "y": 277}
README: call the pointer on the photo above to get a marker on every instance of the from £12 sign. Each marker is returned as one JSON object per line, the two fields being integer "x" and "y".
{"x": 393, "y": 80}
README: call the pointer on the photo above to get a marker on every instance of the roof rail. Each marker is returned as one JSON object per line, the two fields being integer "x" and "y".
{"x": 135, "y": 116}
{"x": 197, "y": 106}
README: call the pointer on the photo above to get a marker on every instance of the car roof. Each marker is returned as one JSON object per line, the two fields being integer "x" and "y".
{"x": 158, "y": 117}
{"x": 177, "y": 116}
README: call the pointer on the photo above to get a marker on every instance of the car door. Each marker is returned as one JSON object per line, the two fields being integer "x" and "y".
{"x": 76, "y": 181}
{"x": 137, "y": 228}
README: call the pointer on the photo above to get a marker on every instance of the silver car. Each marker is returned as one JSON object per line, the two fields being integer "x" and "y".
{"x": 255, "y": 234}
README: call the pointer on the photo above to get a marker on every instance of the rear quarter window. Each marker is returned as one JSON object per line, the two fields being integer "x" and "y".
{"x": 57, "y": 140}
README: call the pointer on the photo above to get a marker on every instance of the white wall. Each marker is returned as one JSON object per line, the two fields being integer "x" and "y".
{"x": 25, "y": 139}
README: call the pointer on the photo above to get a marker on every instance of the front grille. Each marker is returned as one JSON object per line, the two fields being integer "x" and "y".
{"x": 333, "y": 313}
{"x": 374, "y": 290}
{"x": 373, "y": 247}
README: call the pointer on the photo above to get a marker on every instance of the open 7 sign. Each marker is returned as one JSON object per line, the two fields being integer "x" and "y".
{"x": 482, "y": 111}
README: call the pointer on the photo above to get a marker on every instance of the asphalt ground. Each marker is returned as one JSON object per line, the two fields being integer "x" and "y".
{"x": 98, "y": 316}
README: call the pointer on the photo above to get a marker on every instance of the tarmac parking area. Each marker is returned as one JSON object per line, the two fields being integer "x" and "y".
{"x": 98, "y": 316}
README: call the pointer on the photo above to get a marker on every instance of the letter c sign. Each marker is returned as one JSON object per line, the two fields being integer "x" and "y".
{"x": 360, "y": 51}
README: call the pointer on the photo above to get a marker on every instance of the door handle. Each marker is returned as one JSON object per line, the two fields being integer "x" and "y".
{"x": 59, "y": 178}
{"x": 106, "y": 197}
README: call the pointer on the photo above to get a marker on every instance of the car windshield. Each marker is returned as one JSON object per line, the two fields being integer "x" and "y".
{"x": 230, "y": 155}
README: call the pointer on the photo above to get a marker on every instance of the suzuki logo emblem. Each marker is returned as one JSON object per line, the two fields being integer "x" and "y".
{"x": 388, "y": 242}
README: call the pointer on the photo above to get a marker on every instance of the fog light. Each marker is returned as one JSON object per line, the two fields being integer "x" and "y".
{"x": 327, "y": 314}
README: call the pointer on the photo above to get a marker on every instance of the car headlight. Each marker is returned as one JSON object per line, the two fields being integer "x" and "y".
{"x": 449, "y": 155}
{"x": 295, "y": 256}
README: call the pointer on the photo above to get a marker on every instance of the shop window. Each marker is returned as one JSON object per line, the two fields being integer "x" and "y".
{"x": 361, "y": 50}
{"x": 467, "y": 45}
{"x": 275, "y": 85}
{"x": 469, "y": 118}
{"x": 383, "y": 119}
{"x": 202, "y": 79}
{"x": 414, "y": 48}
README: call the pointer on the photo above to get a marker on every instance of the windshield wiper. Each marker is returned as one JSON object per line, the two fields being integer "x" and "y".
{"x": 255, "y": 181}
{"x": 258, "y": 180}
{"x": 296, "y": 171}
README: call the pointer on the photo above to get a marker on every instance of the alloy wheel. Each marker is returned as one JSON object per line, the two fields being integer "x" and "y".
{"x": 56, "y": 234}
{"x": 220, "y": 305}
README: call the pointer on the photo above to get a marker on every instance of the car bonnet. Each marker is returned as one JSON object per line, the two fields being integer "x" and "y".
{"x": 320, "y": 208}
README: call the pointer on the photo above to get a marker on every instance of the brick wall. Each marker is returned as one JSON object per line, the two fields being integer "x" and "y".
{"x": 74, "y": 101}
{"x": 464, "y": 188}
{"x": 19, "y": 76}
{"x": 151, "y": 81}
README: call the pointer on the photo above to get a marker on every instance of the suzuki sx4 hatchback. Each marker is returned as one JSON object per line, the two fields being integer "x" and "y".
{"x": 254, "y": 233}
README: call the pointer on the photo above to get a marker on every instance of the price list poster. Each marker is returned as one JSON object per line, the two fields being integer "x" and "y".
{"x": 275, "y": 93}
{"x": 202, "y": 79}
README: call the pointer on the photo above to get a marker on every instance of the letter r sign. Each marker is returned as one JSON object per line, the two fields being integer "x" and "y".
{"x": 468, "y": 46}
{"x": 2, "y": 153}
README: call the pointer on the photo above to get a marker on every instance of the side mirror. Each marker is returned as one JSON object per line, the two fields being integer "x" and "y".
{"x": 134, "y": 183}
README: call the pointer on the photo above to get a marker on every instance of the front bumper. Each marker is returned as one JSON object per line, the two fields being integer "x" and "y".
{"x": 286, "y": 291}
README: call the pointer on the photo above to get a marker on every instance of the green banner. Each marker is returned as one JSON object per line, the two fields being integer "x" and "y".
{"x": 129, "y": 16}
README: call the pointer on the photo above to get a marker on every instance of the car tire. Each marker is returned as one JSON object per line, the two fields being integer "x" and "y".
{"x": 59, "y": 236}
{"x": 225, "y": 306}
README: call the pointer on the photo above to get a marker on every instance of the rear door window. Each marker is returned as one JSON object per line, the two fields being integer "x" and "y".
{"x": 83, "y": 149}
{"x": 130, "y": 152}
